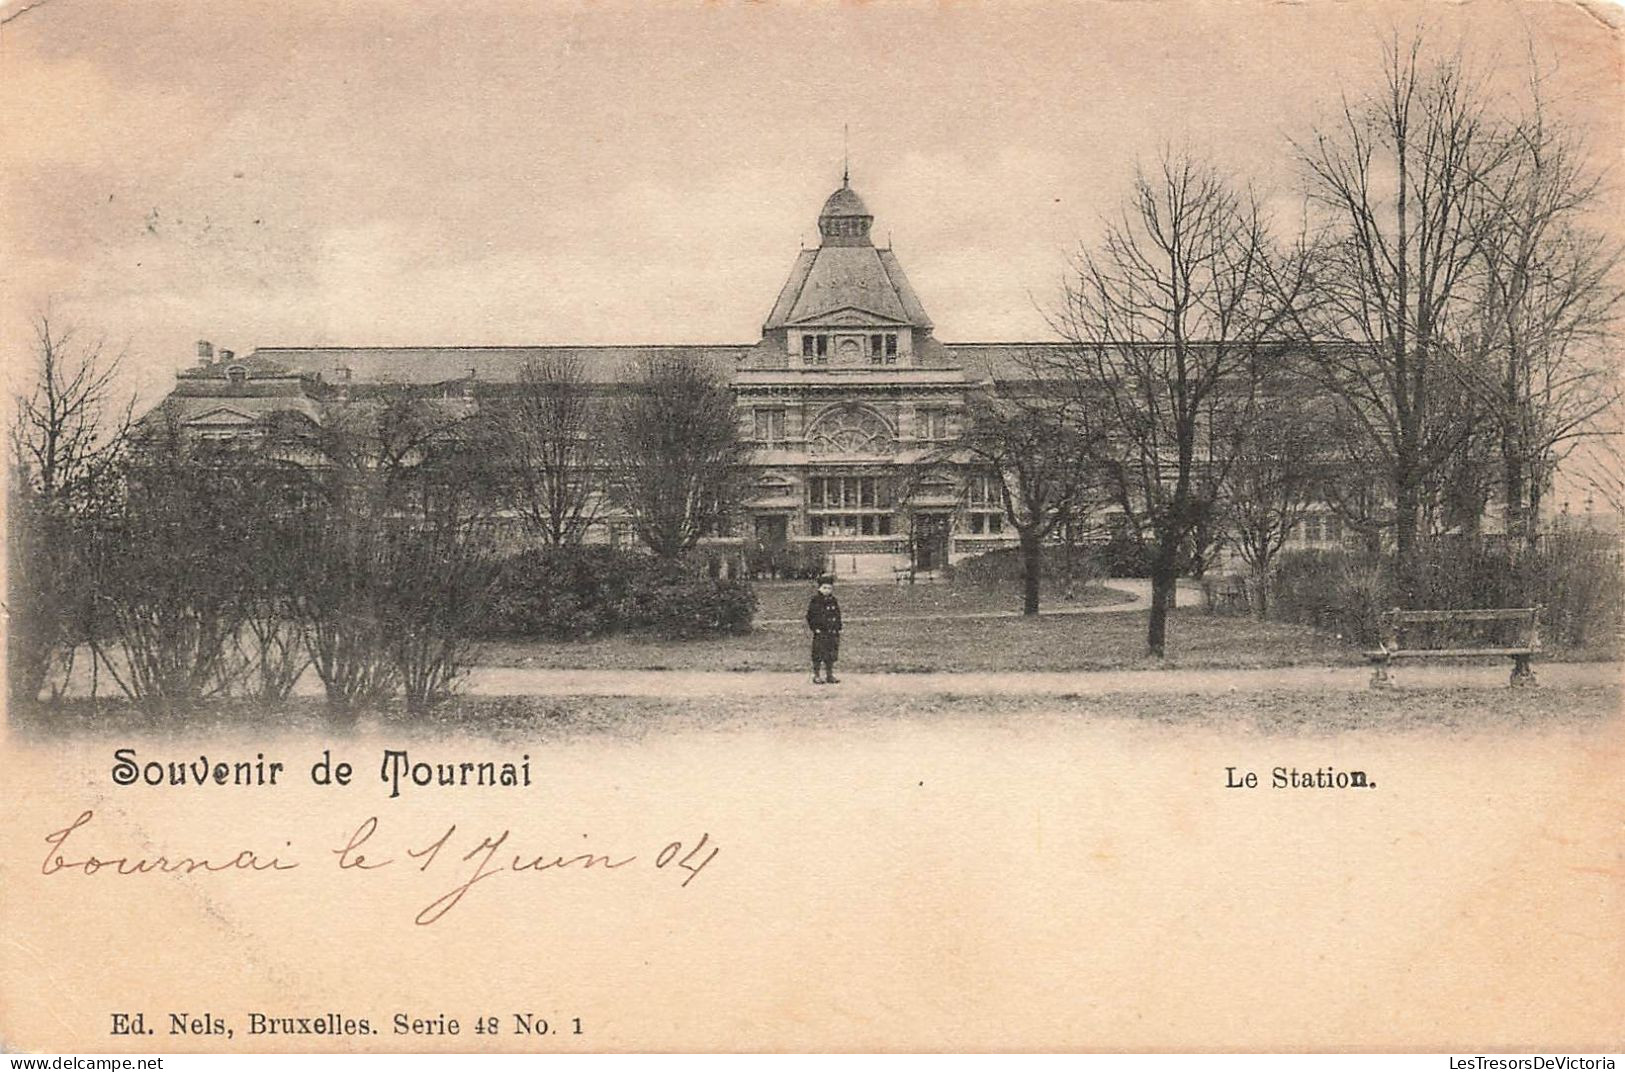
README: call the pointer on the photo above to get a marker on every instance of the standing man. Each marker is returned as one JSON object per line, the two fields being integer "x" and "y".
{"x": 824, "y": 619}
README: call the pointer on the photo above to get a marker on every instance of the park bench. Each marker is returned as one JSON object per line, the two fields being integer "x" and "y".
{"x": 1405, "y": 634}
{"x": 903, "y": 574}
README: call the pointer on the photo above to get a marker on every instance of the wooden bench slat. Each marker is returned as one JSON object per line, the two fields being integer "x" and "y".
{"x": 1461, "y": 615}
{"x": 1457, "y": 653}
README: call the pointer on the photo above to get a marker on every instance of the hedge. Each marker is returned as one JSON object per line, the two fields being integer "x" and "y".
{"x": 569, "y": 593}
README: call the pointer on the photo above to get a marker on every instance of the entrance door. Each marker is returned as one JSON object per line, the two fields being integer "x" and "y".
{"x": 930, "y": 542}
{"x": 772, "y": 541}
{"x": 772, "y": 530}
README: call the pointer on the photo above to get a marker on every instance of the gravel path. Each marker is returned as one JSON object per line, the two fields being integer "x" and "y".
{"x": 518, "y": 681}
{"x": 1138, "y": 591}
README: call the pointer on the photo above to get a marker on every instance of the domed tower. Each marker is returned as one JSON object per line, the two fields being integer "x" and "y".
{"x": 845, "y": 220}
{"x": 846, "y": 303}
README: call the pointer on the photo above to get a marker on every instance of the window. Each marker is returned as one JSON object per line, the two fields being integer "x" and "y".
{"x": 769, "y": 426}
{"x": 850, "y": 429}
{"x": 849, "y": 506}
{"x": 1321, "y": 528}
{"x": 883, "y": 348}
{"x": 986, "y": 524}
{"x": 850, "y": 525}
{"x": 984, "y": 489}
{"x": 236, "y": 375}
{"x": 815, "y": 349}
{"x": 933, "y": 424}
{"x": 774, "y": 486}
{"x": 835, "y": 492}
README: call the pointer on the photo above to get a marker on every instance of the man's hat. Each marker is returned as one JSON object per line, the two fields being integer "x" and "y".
{"x": 826, "y": 578}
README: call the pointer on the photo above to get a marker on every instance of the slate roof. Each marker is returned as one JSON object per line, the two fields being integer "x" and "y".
{"x": 497, "y": 364}
{"x": 780, "y": 316}
{"x": 831, "y": 278}
{"x": 999, "y": 361}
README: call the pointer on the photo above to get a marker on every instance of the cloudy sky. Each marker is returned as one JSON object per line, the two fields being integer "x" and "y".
{"x": 299, "y": 173}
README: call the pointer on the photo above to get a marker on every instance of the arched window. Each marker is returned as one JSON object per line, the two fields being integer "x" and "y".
{"x": 851, "y": 430}
{"x": 236, "y": 375}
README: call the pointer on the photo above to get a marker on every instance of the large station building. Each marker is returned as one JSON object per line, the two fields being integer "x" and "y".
{"x": 844, "y": 397}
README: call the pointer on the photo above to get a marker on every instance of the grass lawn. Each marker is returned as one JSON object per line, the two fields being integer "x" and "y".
{"x": 788, "y": 599}
{"x": 543, "y": 719}
{"x": 1113, "y": 641}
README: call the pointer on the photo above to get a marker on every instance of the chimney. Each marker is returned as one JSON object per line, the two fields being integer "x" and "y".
{"x": 205, "y": 352}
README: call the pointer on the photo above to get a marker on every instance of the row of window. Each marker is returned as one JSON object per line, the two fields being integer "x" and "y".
{"x": 850, "y": 524}
{"x": 882, "y": 348}
{"x": 849, "y": 492}
{"x": 768, "y": 425}
{"x": 1320, "y": 528}
{"x": 979, "y": 524}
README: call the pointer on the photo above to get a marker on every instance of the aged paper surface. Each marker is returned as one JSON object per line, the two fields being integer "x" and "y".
{"x": 957, "y": 864}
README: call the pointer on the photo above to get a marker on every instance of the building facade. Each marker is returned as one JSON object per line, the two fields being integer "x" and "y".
{"x": 851, "y": 404}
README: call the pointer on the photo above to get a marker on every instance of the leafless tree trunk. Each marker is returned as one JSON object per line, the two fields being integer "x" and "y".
{"x": 1039, "y": 462}
{"x": 1546, "y": 289}
{"x": 1396, "y": 182}
{"x": 1166, "y": 325}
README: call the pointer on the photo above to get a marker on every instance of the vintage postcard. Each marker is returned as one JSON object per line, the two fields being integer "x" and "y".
{"x": 784, "y": 527}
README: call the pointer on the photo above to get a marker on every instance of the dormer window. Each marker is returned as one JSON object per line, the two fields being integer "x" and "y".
{"x": 883, "y": 348}
{"x": 815, "y": 349}
{"x": 236, "y": 375}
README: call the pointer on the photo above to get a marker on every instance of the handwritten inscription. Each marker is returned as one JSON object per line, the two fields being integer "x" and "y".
{"x": 491, "y": 856}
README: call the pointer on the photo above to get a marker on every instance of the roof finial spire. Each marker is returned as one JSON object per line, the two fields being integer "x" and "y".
{"x": 846, "y": 158}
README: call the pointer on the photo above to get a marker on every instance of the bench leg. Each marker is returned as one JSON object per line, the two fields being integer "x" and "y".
{"x": 1380, "y": 677}
{"x": 1522, "y": 673}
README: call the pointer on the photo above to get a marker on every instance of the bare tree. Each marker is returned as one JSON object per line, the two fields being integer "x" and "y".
{"x": 1546, "y": 290}
{"x": 67, "y": 437}
{"x": 1277, "y": 477}
{"x": 553, "y": 448}
{"x": 69, "y": 432}
{"x": 398, "y": 486}
{"x": 1396, "y": 179}
{"x": 677, "y": 454}
{"x": 171, "y": 568}
{"x": 1038, "y": 462}
{"x": 1165, "y": 327}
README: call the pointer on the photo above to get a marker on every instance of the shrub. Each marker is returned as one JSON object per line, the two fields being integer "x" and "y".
{"x": 1574, "y": 577}
{"x": 439, "y": 583}
{"x": 1065, "y": 569}
{"x": 566, "y": 593}
{"x": 1124, "y": 555}
{"x": 1333, "y": 591}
